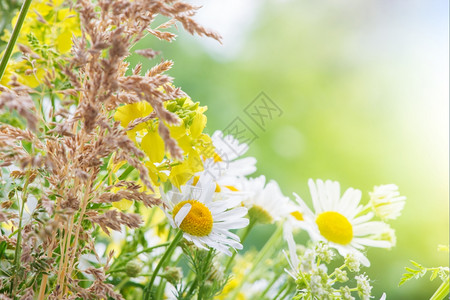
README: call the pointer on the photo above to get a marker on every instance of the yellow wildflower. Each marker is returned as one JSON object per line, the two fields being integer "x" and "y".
{"x": 48, "y": 30}
{"x": 188, "y": 134}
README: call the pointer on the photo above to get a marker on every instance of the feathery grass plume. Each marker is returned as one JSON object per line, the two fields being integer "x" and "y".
{"x": 18, "y": 99}
{"x": 59, "y": 198}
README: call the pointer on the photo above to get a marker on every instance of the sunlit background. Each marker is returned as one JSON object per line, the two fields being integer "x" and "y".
{"x": 363, "y": 86}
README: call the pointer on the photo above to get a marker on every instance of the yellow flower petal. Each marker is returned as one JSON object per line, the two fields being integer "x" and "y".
{"x": 129, "y": 112}
{"x": 194, "y": 162}
{"x": 156, "y": 176}
{"x": 198, "y": 124}
{"x": 153, "y": 146}
{"x": 64, "y": 41}
{"x": 123, "y": 204}
{"x": 177, "y": 132}
{"x": 32, "y": 80}
{"x": 185, "y": 143}
{"x": 180, "y": 174}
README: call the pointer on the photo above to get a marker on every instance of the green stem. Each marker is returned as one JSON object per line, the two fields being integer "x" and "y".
{"x": 149, "y": 249}
{"x": 122, "y": 176}
{"x": 207, "y": 263}
{"x": 285, "y": 285}
{"x": 160, "y": 290}
{"x": 117, "y": 270}
{"x": 334, "y": 272}
{"x": 167, "y": 254}
{"x": 305, "y": 281}
{"x": 192, "y": 288}
{"x": 268, "y": 247}
{"x": 19, "y": 233}
{"x": 442, "y": 291}
{"x": 287, "y": 292}
{"x": 275, "y": 278}
{"x": 244, "y": 236}
{"x": 122, "y": 283}
{"x": 14, "y": 36}
{"x": 52, "y": 99}
{"x": 126, "y": 172}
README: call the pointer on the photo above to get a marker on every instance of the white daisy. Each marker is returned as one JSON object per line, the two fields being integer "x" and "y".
{"x": 265, "y": 202}
{"x": 225, "y": 191}
{"x": 203, "y": 221}
{"x": 337, "y": 220}
{"x": 386, "y": 201}
{"x": 225, "y": 166}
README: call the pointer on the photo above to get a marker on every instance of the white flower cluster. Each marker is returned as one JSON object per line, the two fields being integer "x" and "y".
{"x": 223, "y": 197}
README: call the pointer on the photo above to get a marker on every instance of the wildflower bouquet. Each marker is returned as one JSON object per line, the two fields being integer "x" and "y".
{"x": 111, "y": 189}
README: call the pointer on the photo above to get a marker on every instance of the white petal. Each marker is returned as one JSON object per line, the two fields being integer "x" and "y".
{"x": 363, "y": 259}
{"x": 235, "y": 224}
{"x": 289, "y": 237}
{"x": 314, "y": 196}
{"x": 227, "y": 233}
{"x": 347, "y": 200}
{"x": 344, "y": 250}
{"x": 223, "y": 240}
{"x": 305, "y": 210}
{"x": 369, "y": 228}
{"x": 170, "y": 218}
{"x": 182, "y": 213}
{"x": 363, "y": 218}
{"x": 322, "y": 196}
{"x": 354, "y": 208}
{"x": 216, "y": 245}
{"x": 235, "y": 213}
{"x": 242, "y": 167}
{"x": 197, "y": 243}
{"x": 373, "y": 243}
{"x": 334, "y": 193}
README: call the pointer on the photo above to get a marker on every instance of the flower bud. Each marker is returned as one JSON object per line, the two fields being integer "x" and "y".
{"x": 180, "y": 101}
{"x": 133, "y": 269}
{"x": 172, "y": 274}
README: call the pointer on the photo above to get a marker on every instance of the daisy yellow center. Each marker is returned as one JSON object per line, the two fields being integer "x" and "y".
{"x": 232, "y": 188}
{"x": 217, "y": 158}
{"x": 259, "y": 214}
{"x": 297, "y": 215}
{"x": 199, "y": 221}
{"x": 335, "y": 227}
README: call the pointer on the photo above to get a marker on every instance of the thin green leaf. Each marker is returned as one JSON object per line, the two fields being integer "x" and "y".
{"x": 414, "y": 271}
{"x": 416, "y": 264}
{"x": 405, "y": 278}
{"x": 434, "y": 274}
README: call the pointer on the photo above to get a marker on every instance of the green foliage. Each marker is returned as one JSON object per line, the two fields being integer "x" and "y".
{"x": 8, "y": 9}
{"x": 207, "y": 278}
{"x": 419, "y": 271}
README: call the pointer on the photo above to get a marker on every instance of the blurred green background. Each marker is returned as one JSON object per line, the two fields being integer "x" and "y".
{"x": 363, "y": 86}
